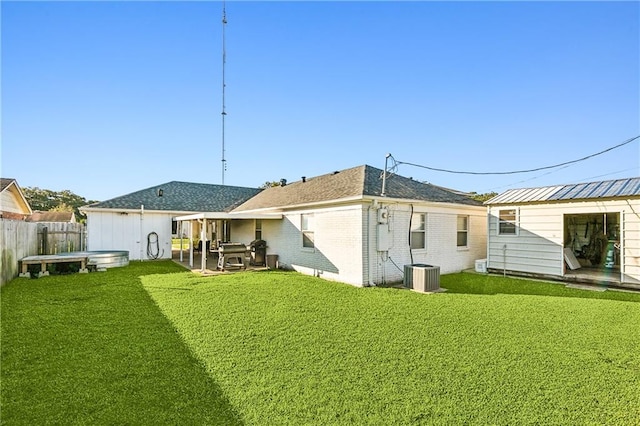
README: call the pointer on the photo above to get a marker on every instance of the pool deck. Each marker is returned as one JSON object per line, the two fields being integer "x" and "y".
{"x": 49, "y": 259}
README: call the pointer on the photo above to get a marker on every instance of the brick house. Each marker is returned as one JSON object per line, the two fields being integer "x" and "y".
{"x": 338, "y": 226}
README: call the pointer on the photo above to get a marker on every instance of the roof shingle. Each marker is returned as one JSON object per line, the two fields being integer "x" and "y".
{"x": 182, "y": 197}
{"x": 4, "y": 182}
{"x": 354, "y": 182}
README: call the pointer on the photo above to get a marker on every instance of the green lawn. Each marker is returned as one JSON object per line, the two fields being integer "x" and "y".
{"x": 93, "y": 349}
{"x": 148, "y": 344}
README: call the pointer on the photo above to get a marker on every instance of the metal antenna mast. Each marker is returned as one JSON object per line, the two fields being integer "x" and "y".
{"x": 224, "y": 61}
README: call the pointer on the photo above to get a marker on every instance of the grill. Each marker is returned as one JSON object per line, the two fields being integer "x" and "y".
{"x": 231, "y": 255}
{"x": 258, "y": 252}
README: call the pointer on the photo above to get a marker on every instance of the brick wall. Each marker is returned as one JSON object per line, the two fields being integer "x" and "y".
{"x": 338, "y": 243}
{"x": 442, "y": 251}
{"x": 346, "y": 242}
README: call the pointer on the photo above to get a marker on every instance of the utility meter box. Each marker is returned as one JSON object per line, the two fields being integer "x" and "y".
{"x": 383, "y": 240}
{"x": 383, "y": 215}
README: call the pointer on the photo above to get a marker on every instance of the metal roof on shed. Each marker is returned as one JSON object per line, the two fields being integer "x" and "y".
{"x": 579, "y": 191}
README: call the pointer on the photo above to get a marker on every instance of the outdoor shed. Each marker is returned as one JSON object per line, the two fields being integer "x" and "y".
{"x": 143, "y": 222}
{"x": 340, "y": 226}
{"x": 580, "y": 232}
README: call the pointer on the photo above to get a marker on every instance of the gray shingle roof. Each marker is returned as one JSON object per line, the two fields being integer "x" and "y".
{"x": 182, "y": 197}
{"x": 354, "y": 182}
{"x": 4, "y": 182}
{"x": 578, "y": 191}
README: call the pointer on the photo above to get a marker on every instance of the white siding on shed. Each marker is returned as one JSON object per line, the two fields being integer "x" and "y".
{"x": 631, "y": 242}
{"x": 537, "y": 247}
{"x": 131, "y": 232}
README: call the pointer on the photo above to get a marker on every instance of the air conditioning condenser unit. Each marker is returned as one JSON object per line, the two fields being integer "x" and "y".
{"x": 421, "y": 277}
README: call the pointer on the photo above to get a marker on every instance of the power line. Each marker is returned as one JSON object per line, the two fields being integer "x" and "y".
{"x": 628, "y": 141}
{"x": 527, "y": 180}
{"x": 586, "y": 179}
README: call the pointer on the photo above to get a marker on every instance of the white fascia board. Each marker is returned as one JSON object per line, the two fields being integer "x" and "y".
{"x": 223, "y": 215}
{"x": 387, "y": 200}
{"x": 304, "y": 205}
{"x": 86, "y": 209}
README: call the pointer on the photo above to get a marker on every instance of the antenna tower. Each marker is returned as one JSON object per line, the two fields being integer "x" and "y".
{"x": 224, "y": 61}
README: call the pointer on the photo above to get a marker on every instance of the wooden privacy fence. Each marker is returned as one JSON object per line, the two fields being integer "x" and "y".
{"x": 60, "y": 237}
{"x": 20, "y": 239}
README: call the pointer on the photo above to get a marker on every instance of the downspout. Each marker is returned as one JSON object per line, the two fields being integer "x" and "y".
{"x": 622, "y": 245}
{"x": 504, "y": 260}
{"x": 141, "y": 228}
{"x": 488, "y": 234}
{"x": 409, "y": 238}
{"x": 370, "y": 282}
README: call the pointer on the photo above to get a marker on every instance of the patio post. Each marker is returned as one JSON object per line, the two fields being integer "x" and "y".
{"x": 203, "y": 239}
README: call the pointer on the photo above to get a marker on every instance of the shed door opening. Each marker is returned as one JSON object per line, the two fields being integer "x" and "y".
{"x": 594, "y": 239}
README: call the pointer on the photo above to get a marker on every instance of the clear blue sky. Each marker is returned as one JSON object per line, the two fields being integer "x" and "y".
{"x": 106, "y": 98}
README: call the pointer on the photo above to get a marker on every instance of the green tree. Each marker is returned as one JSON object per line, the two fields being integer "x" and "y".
{"x": 63, "y": 207}
{"x": 47, "y": 200}
{"x": 40, "y": 199}
{"x": 269, "y": 184}
{"x": 483, "y": 197}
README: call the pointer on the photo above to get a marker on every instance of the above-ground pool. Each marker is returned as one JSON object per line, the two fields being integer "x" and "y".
{"x": 102, "y": 259}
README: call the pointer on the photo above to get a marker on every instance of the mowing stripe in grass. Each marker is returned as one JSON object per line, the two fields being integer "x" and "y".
{"x": 292, "y": 349}
{"x": 94, "y": 349}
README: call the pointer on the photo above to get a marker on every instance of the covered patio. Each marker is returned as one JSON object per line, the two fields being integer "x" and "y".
{"x": 211, "y": 266}
{"x": 220, "y": 241}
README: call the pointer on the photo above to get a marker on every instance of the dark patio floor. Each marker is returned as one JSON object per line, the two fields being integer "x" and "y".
{"x": 212, "y": 264}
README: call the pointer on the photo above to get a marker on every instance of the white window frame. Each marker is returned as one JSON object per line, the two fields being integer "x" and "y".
{"x": 307, "y": 231}
{"x": 514, "y": 222}
{"x": 464, "y": 231}
{"x": 420, "y": 219}
{"x": 258, "y": 229}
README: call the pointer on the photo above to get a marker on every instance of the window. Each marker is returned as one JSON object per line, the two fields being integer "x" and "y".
{"x": 507, "y": 220}
{"x": 308, "y": 240}
{"x": 418, "y": 231}
{"x": 174, "y": 227}
{"x": 463, "y": 231}
{"x": 258, "y": 229}
{"x": 226, "y": 231}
